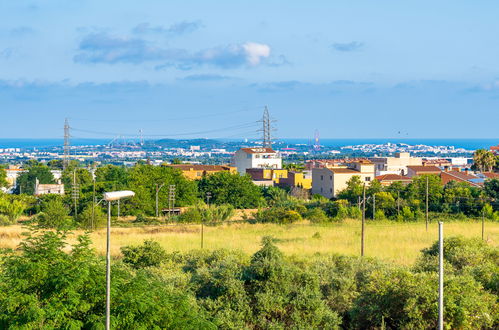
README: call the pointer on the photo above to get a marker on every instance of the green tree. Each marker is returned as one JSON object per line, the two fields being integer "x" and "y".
{"x": 12, "y": 206}
{"x": 491, "y": 188}
{"x": 416, "y": 191}
{"x": 54, "y": 215}
{"x": 92, "y": 217}
{"x": 234, "y": 189}
{"x": 143, "y": 180}
{"x": 353, "y": 191}
{"x": 150, "y": 254}
{"x": 3, "y": 178}
{"x": 484, "y": 160}
{"x": 25, "y": 183}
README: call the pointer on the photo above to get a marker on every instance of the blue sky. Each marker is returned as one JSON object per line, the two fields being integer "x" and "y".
{"x": 376, "y": 69}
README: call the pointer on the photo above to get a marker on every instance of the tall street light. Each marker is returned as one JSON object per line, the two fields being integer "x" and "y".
{"x": 111, "y": 197}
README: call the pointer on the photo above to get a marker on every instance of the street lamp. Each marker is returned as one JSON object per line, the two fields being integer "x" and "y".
{"x": 110, "y": 197}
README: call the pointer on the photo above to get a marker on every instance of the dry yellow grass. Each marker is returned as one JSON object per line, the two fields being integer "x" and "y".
{"x": 396, "y": 242}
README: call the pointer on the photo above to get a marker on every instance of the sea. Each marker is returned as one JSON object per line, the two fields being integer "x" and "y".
{"x": 468, "y": 144}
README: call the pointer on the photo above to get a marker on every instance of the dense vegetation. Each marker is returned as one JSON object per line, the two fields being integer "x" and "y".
{"x": 44, "y": 286}
{"x": 230, "y": 191}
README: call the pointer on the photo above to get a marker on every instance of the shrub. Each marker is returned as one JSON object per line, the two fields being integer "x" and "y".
{"x": 5, "y": 220}
{"x": 92, "y": 218}
{"x": 277, "y": 215}
{"x": 316, "y": 215}
{"x": 150, "y": 254}
{"x": 54, "y": 215}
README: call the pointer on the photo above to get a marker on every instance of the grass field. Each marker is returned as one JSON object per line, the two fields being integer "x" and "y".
{"x": 398, "y": 242}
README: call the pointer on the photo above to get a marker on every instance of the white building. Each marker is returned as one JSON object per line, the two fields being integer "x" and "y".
{"x": 246, "y": 158}
{"x": 395, "y": 165}
{"x": 42, "y": 189}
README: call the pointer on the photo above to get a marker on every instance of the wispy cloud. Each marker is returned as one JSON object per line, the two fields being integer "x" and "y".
{"x": 348, "y": 47}
{"x": 174, "y": 29}
{"x": 206, "y": 77}
{"x": 6, "y": 53}
{"x": 104, "y": 48}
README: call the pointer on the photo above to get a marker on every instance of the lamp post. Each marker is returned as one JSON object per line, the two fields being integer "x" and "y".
{"x": 111, "y": 197}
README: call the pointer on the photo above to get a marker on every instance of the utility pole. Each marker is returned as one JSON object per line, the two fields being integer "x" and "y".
{"x": 118, "y": 209}
{"x": 158, "y": 187}
{"x": 363, "y": 221}
{"x": 208, "y": 196}
{"x": 374, "y": 206}
{"x": 92, "y": 225}
{"x": 75, "y": 193}
{"x": 171, "y": 199}
{"x": 440, "y": 275}
{"x": 483, "y": 223}
{"x": 398, "y": 203}
{"x": 65, "y": 160}
{"x": 427, "y": 183}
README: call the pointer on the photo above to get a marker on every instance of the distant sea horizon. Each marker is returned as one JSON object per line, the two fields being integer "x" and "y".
{"x": 469, "y": 144}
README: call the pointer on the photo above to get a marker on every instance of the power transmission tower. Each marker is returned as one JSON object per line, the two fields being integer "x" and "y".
{"x": 171, "y": 199}
{"x": 65, "y": 160}
{"x": 317, "y": 143}
{"x": 266, "y": 129}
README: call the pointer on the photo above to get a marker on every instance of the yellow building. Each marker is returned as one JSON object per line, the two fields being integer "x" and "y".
{"x": 262, "y": 174}
{"x": 196, "y": 171}
{"x": 298, "y": 179}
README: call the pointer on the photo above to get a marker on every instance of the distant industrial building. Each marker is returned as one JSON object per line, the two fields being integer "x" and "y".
{"x": 328, "y": 182}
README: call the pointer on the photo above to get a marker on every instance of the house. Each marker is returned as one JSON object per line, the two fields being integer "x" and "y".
{"x": 388, "y": 179}
{"x": 262, "y": 174}
{"x": 246, "y": 158}
{"x": 329, "y": 181}
{"x": 495, "y": 149}
{"x": 413, "y": 171}
{"x": 197, "y": 171}
{"x": 42, "y": 188}
{"x": 395, "y": 165}
{"x": 297, "y": 179}
{"x": 458, "y": 176}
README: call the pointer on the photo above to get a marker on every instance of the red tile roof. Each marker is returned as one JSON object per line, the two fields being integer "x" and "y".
{"x": 428, "y": 169}
{"x": 258, "y": 150}
{"x": 491, "y": 175}
{"x": 392, "y": 177}
{"x": 198, "y": 167}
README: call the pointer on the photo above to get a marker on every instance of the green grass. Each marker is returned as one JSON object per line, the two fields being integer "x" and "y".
{"x": 397, "y": 242}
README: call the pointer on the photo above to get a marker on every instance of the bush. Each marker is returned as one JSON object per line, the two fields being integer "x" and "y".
{"x": 316, "y": 215}
{"x": 277, "y": 215}
{"x": 5, "y": 220}
{"x": 54, "y": 215}
{"x": 150, "y": 254}
{"x": 207, "y": 214}
{"x": 92, "y": 218}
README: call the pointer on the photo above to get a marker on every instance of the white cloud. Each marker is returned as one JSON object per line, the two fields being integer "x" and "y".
{"x": 255, "y": 52}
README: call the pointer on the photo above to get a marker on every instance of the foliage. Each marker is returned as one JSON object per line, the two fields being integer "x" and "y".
{"x": 316, "y": 215}
{"x": 277, "y": 215}
{"x": 45, "y": 287}
{"x": 92, "y": 217}
{"x": 26, "y": 181}
{"x": 484, "y": 160}
{"x": 353, "y": 191}
{"x": 12, "y": 207}
{"x": 491, "y": 188}
{"x": 3, "y": 178}
{"x": 150, "y": 254}
{"x": 234, "y": 189}
{"x": 54, "y": 215}
{"x": 208, "y": 214}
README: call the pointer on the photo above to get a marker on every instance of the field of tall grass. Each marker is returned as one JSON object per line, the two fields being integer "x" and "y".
{"x": 397, "y": 242}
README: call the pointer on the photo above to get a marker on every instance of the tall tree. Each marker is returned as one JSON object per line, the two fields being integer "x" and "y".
{"x": 26, "y": 181}
{"x": 3, "y": 178}
{"x": 484, "y": 160}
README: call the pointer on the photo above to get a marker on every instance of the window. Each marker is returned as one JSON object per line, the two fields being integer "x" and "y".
{"x": 248, "y": 156}
{"x": 199, "y": 173}
{"x": 321, "y": 189}
{"x": 257, "y": 156}
{"x": 331, "y": 177}
{"x": 331, "y": 190}
{"x": 322, "y": 178}
{"x": 368, "y": 178}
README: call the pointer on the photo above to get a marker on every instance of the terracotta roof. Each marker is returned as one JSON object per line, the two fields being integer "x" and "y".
{"x": 491, "y": 175}
{"x": 430, "y": 169}
{"x": 258, "y": 150}
{"x": 343, "y": 170}
{"x": 198, "y": 167}
{"x": 458, "y": 176}
{"x": 392, "y": 177}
